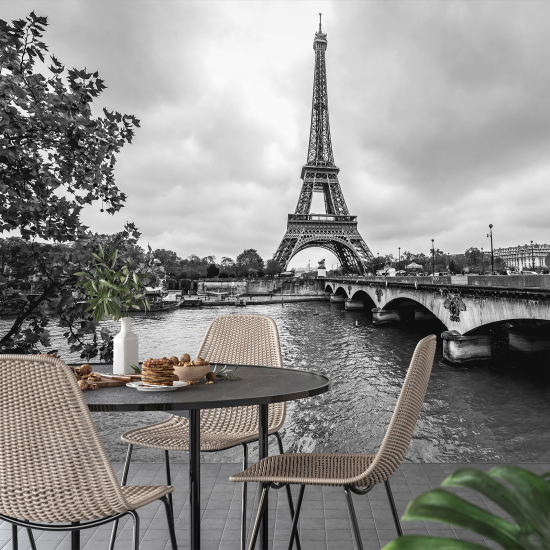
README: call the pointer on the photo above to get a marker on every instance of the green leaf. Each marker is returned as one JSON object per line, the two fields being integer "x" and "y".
{"x": 420, "y": 542}
{"x": 440, "y": 505}
{"x": 486, "y": 485}
{"x": 533, "y": 496}
{"x": 111, "y": 285}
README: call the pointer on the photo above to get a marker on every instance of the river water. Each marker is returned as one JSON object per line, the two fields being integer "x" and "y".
{"x": 481, "y": 413}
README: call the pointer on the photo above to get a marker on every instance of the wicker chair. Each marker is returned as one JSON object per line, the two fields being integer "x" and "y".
{"x": 239, "y": 339}
{"x": 355, "y": 473}
{"x": 53, "y": 467}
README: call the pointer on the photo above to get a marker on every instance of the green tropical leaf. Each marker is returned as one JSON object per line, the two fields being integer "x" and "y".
{"x": 420, "y": 542}
{"x": 440, "y": 505}
{"x": 533, "y": 496}
{"x": 486, "y": 485}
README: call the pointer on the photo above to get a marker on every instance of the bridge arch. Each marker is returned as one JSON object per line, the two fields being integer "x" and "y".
{"x": 363, "y": 296}
{"x": 341, "y": 291}
{"x": 328, "y": 288}
{"x": 411, "y": 309}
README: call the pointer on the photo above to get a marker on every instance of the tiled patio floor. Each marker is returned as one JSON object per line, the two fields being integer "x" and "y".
{"x": 324, "y": 523}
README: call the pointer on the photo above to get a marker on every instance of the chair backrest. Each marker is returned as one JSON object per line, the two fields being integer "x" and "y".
{"x": 242, "y": 339}
{"x": 245, "y": 339}
{"x": 53, "y": 467}
{"x": 401, "y": 428}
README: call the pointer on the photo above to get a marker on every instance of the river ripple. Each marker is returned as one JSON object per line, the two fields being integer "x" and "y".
{"x": 470, "y": 414}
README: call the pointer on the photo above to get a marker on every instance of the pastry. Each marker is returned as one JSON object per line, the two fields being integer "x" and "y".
{"x": 157, "y": 372}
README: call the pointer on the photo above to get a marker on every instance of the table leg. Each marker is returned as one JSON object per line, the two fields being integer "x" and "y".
{"x": 195, "y": 479}
{"x": 75, "y": 537}
{"x": 263, "y": 453}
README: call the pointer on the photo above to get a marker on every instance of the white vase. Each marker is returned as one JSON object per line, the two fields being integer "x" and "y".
{"x": 125, "y": 349}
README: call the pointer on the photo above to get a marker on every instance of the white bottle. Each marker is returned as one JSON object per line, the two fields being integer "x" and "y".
{"x": 125, "y": 349}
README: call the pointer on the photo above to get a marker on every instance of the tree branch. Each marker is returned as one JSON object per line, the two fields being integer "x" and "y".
{"x": 23, "y": 316}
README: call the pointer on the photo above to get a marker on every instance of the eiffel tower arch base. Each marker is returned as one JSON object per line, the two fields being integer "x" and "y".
{"x": 337, "y": 236}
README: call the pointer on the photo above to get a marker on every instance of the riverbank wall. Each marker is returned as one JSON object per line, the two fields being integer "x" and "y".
{"x": 251, "y": 300}
{"x": 260, "y": 286}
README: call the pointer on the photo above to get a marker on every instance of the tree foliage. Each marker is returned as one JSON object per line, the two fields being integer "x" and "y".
{"x": 272, "y": 267}
{"x": 55, "y": 299}
{"x": 473, "y": 256}
{"x": 212, "y": 271}
{"x": 169, "y": 260}
{"x": 249, "y": 259}
{"x": 55, "y": 156}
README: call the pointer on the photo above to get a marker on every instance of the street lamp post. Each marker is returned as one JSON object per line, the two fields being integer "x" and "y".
{"x": 433, "y": 258}
{"x": 490, "y": 234}
{"x": 399, "y": 262}
{"x": 482, "y": 263}
{"x": 377, "y": 262}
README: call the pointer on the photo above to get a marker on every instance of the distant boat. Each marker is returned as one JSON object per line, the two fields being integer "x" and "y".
{"x": 315, "y": 313}
{"x": 191, "y": 302}
{"x": 157, "y": 299}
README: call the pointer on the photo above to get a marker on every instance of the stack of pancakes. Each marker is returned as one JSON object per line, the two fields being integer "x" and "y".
{"x": 157, "y": 372}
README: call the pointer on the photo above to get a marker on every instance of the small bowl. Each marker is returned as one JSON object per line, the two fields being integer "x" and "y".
{"x": 192, "y": 374}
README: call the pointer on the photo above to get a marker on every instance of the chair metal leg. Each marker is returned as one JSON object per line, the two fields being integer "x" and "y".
{"x": 170, "y": 519}
{"x": 353, "y": 518}
{"x": 135, "y": 537}
{"x": 244, "y": 496}
{"x": 261, "y": 508}
{"x": 122, "y": 484}
{"x": 288, "y": 491}
{"x": 15, "y": 538}
{"x": 75, "y": 537}
{"x": 31, "y": 538}
{"x": 393, "y": 508}
{"x": 168, "y": 480}
{"x": 294, "y": 532}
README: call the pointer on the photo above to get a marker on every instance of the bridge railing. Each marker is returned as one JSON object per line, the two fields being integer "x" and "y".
{"x": 511, "y": 281}
{"x": 517, "y": 281}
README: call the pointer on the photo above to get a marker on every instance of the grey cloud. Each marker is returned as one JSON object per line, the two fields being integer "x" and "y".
{"x": 439, "y": 112}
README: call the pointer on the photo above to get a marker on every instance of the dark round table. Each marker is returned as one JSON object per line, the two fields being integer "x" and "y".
{"x": 258, "y": 386}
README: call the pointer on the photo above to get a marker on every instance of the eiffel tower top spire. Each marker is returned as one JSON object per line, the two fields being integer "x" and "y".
{"x": 320, "y": 146}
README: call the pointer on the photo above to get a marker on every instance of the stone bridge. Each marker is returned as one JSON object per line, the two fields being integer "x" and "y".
{"x": 468, "y": 306}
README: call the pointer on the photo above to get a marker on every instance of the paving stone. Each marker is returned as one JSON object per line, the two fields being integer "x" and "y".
{"x": 324, "y": 521}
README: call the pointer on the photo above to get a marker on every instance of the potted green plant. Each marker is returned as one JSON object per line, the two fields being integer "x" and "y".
{"x": 113, "y": 293}
{"x": 524, "y": 496}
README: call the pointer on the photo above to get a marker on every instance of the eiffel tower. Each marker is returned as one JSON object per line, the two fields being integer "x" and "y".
{"x": 335, "y": 230}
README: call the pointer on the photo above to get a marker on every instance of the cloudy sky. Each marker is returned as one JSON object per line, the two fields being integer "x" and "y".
{"x": 439, "y": 112}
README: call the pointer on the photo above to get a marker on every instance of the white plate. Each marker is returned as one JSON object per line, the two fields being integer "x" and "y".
{"x": 140, "y": 387}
